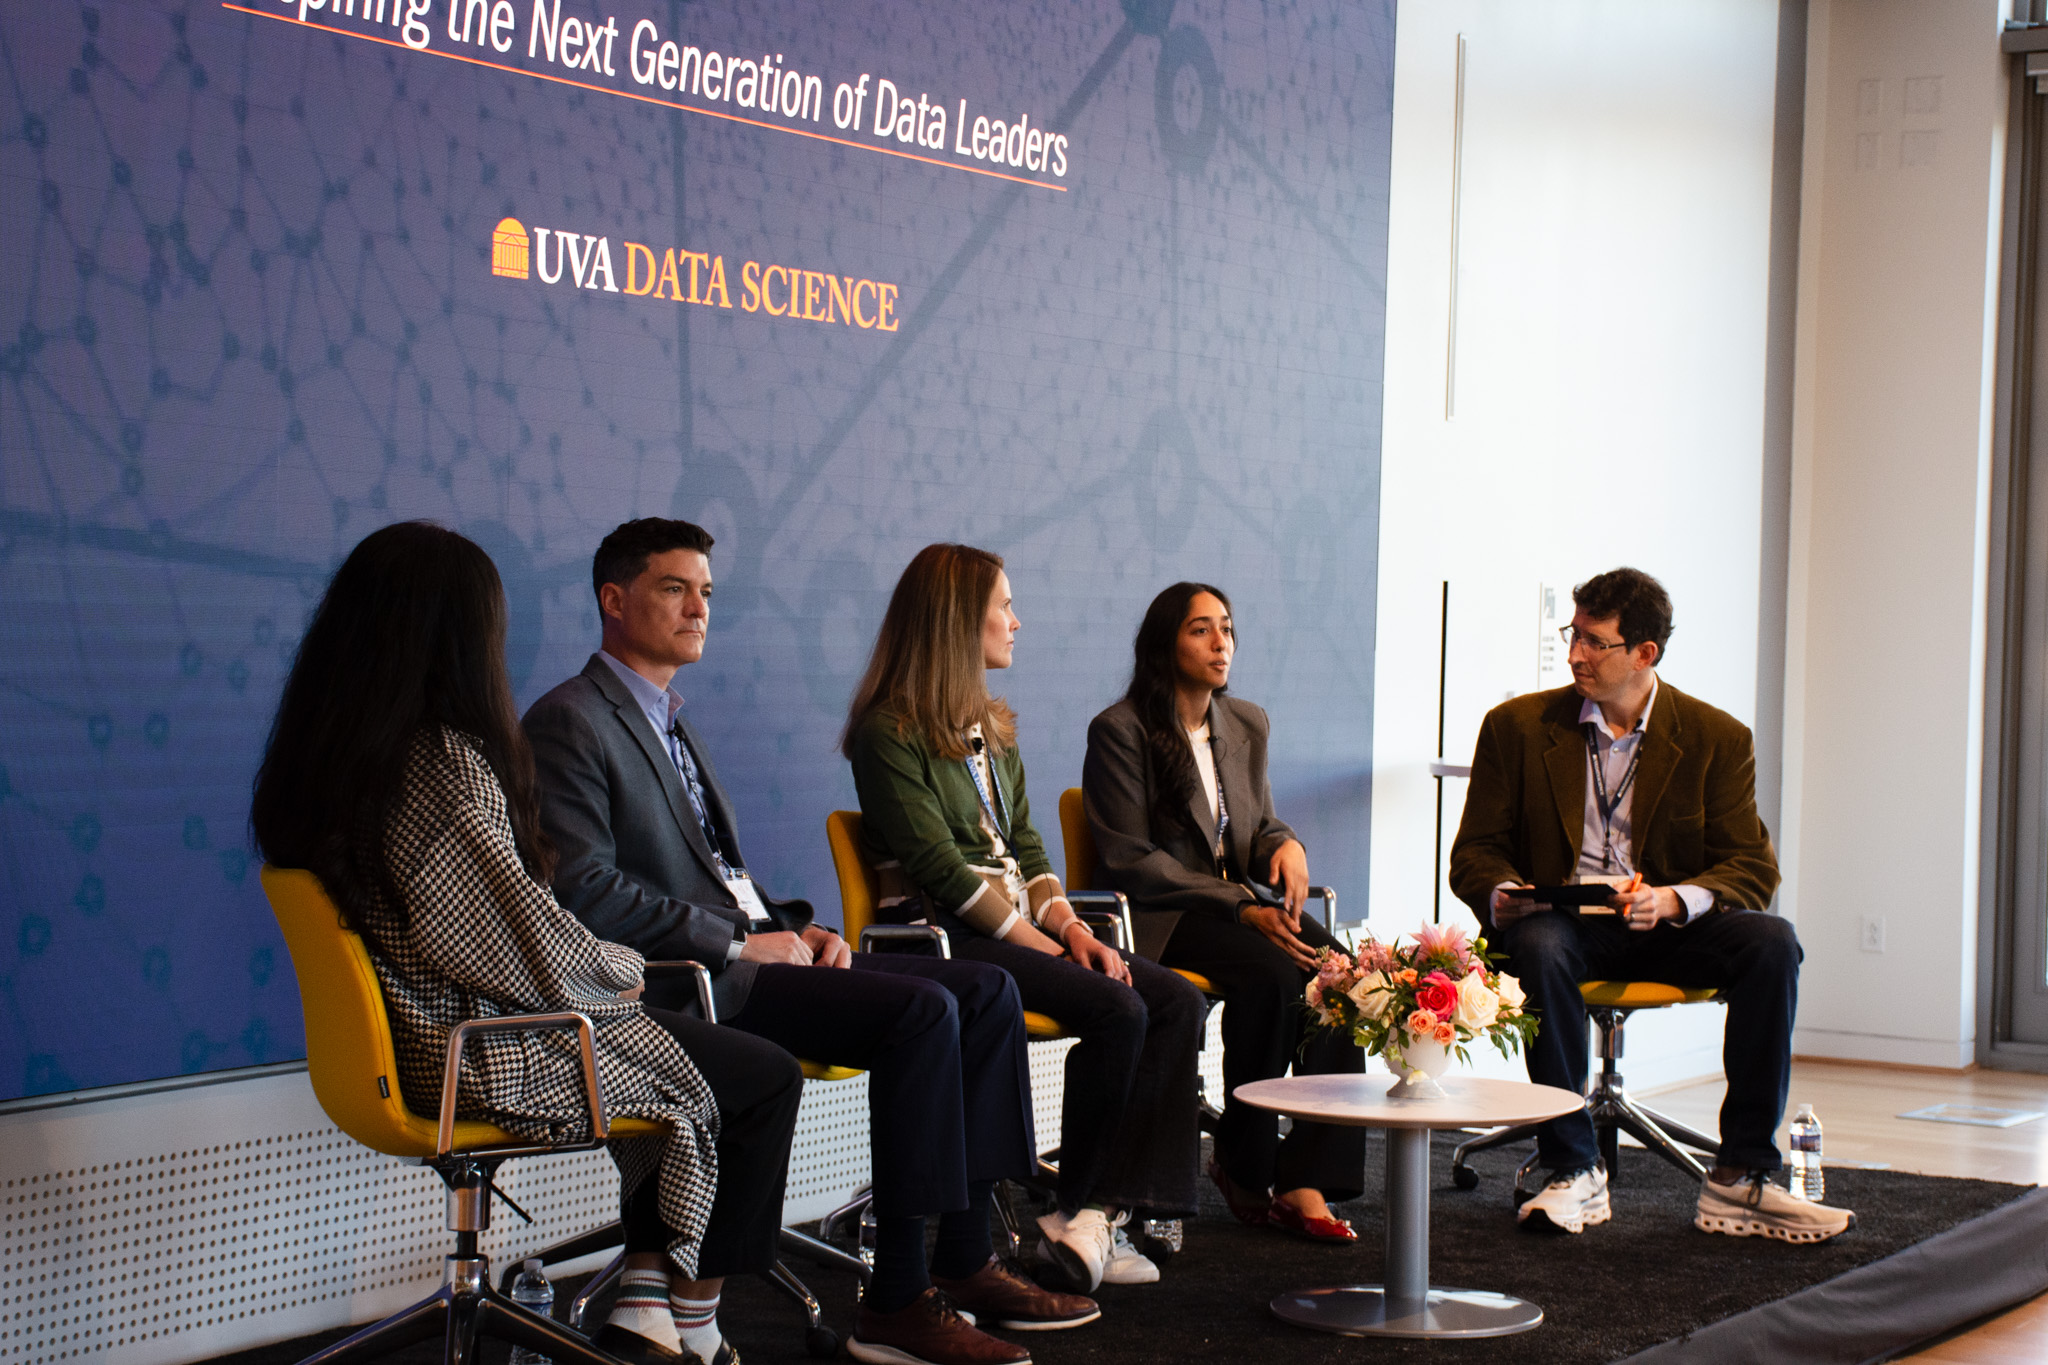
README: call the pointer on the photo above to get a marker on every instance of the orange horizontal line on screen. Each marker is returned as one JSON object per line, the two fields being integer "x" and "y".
{"x": 645, "y": 99}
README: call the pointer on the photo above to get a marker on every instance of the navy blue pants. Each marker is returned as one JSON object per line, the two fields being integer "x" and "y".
{"x": 949, "y": 1081}
{"x": 1752, "y": 958}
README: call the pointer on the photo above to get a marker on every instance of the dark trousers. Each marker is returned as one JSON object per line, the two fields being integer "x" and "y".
{"x": 758, "y": 1087}
{"x": 1752, "y": 958}
{"x": 1128, "y": 1125}
{"x": 1265, "y": 1029}
{"x": 949, "y": 1081}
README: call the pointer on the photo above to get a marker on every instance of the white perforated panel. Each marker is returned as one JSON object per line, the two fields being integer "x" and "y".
{"x": 146, "y": 1246}
{"x": 1048, "y": 1089}
{"x": 1210, "y": 1060}
{"x": 830, "y": 1158}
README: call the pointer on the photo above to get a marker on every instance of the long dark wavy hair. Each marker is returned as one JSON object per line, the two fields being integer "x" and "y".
{"x": 1155, "y": 667}
{"x": 409, "y": 636}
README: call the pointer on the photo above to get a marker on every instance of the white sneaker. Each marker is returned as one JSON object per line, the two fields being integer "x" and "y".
{"x": 1572, "y": 1201}
{"x": 1127, "y": 1264}
{"x": 1080, "y": 1244}
{"x": 1754, "y": 1207}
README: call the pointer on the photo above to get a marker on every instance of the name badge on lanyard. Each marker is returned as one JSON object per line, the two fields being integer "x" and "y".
{"x": 747, "y": 894}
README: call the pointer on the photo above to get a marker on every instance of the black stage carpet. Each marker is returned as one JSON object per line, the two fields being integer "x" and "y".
{"x": 1646, "y": 1277}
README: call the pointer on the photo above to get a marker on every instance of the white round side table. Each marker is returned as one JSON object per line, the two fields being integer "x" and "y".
{"x": 1407, "y": 1305}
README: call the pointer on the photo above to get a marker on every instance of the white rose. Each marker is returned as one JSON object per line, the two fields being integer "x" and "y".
{"x": 1372, "y": 996}
{"x": 1477, "y": 1004}
{"x": 1511, "y": 996}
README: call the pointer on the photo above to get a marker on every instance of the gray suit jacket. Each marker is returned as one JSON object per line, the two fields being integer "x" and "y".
{"x": 635, "y": 866}
{"x": 1167, "y": 872}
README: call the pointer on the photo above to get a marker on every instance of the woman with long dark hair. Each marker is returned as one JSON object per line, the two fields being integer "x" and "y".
{"x": 948, "y": 828}
{"x": 397, "y": 773}
{"x": 1182, "y": 812}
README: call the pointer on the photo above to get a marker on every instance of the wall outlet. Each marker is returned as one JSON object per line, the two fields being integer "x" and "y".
{"x": 1873, "y": 933}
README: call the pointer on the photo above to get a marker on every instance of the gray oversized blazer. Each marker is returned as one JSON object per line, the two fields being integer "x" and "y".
{"x": 1166, "y": 872}
{"x": 635, "y": 866}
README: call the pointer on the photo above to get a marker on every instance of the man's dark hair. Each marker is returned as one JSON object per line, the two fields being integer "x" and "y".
{"x": 1635, "y": 597}
{"x": 622, "y": 556}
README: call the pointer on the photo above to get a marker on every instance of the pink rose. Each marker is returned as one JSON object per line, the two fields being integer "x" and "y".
{"x": 1437, "y": 993}
{"x": 1421, "y": 1022}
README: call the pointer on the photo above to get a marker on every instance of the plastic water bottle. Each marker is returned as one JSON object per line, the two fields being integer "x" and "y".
{"x": 532, "y": 1290}
{"x": 1807, "y": 1181}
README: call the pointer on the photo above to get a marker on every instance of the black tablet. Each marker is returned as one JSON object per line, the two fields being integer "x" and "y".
{"x": 1584, "y": 894}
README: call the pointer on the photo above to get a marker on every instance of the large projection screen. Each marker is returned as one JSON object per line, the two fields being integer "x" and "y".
{"x": 1099, "y": 287}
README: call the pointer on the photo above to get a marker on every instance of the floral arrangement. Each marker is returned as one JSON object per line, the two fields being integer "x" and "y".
{"x": 1440, "y": 990}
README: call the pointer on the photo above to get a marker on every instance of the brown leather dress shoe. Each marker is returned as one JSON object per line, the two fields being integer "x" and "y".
{"x": 998, "y": 1294}
{"x": 927, "y": 1332}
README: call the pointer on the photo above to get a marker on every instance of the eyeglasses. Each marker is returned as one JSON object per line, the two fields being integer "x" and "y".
{"x": 1572, "y": 637}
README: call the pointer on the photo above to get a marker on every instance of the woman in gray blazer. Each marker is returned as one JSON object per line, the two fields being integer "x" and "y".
{"x": 1182, "y": 813}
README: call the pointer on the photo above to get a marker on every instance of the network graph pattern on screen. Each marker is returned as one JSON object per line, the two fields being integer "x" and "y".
{"x": 252, "y": 314}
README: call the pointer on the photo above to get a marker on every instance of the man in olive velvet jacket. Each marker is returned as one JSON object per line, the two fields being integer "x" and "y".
{"x": 1623, "y": 778}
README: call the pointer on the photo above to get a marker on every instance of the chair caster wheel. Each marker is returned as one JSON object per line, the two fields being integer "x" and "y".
{"x": 1464, "y": 1177}
{"x": 822, "y": 1342}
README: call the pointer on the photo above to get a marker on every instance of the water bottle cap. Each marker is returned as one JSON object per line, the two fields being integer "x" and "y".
{"x": 1805, "y": 1112}
{"x": 532, "y": 1265}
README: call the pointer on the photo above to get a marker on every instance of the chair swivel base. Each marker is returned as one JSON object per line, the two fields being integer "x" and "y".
{"x": 465, "y": 1310}
{"x": 1613, "y": 1113}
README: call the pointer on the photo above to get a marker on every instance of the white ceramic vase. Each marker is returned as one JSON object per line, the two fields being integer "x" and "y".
{"x": 1418, "y": 1062}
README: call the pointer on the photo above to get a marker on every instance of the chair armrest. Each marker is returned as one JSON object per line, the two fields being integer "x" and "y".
{"x": 693, "y": 968}
{"x": 1113, "y": 913}
{"x": 907, "y": 933}
{"x": 451, "y": 1074}
{"x": 1329, "y": 900}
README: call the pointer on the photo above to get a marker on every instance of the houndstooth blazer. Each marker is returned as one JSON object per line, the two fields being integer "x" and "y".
{"x": 485, "y": 939}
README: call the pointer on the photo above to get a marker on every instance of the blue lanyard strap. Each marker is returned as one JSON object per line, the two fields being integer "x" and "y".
{"x": 700, "y": 805}
{"x": 1605, "y": 804}
{"x": 998, "y": 809}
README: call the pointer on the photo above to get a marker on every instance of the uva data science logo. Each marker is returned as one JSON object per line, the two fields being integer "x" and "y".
{"x": 584, "y": 260}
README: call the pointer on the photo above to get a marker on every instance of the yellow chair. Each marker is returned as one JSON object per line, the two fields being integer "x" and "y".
{"x": 1609, "y": 1004}
{"x": 354, "y": 1069}
{"x": 1084, "y": 868}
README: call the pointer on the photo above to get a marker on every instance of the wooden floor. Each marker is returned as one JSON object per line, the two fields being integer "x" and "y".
{"x": 1859, "y": 1107}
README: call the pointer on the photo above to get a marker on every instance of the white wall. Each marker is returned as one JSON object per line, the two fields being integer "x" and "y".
{"x": 1898, "y": 275}
{"x": 1610, "y": 370}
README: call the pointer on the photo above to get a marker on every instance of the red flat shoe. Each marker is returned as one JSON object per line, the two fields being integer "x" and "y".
{"x": 1249, "y": 1208}
{"x": 1288, "y": 1218}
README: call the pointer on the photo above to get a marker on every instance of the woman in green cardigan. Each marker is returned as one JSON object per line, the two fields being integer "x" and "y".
{"x": 948, "y": 828}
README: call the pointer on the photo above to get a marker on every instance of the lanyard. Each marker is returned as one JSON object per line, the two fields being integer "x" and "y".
{"x": 1222, "y": 813}
{"x": 1608, "y": 805}
{"x": 686, "y": 763}
{"x": 992, "y": 806}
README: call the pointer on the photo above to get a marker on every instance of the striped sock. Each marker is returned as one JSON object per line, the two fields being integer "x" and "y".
{"x": 697, "y": 1324}
{"x": 642, "y": 1308}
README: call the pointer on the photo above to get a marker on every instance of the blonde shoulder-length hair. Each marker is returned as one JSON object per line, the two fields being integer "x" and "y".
{"x": 927, "y": 668}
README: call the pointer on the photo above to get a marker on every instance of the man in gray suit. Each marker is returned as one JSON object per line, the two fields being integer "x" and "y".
{"x": 650, "y": 857}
